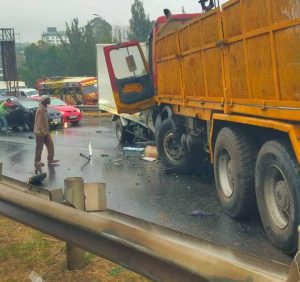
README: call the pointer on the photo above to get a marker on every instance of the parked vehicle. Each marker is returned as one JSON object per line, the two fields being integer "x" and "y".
{"x": 72, "y": 90}
{"x": 28, "y": 93}
{"x": 225, "y": 84}
{"x": 69, "y": 113}
{"x": 23, "y": 93}
{"x": 22, "y": 114}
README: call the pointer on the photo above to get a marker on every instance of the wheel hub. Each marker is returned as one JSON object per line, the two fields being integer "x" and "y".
{"x": 173, "y": 149}
{"x": 226, "y": 173}
{"x": 281, "y": 195}
{"x": 277, "y": 196}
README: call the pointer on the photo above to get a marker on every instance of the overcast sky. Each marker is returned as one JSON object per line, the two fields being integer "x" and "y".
{"x": 30, "y": 18}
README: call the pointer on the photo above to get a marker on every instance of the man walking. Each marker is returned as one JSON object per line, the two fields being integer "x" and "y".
{"x": 42, "y": 136}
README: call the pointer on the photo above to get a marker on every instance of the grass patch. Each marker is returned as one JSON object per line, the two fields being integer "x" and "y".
{"x": 116, "y": 271}
{"x": 23, "y": 250}
{"x": 89, "y": 257}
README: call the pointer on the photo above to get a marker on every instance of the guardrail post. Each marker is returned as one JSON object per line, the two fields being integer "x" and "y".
{"x": 95, "y": 197}
{"x": 74, "y": 195}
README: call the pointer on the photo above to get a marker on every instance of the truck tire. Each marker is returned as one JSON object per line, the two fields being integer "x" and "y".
{"x": 234, "y": 166}
{"x": 121, "y": 133}
{"x": 173, "y": 156}
{"x": 277, "y": 185}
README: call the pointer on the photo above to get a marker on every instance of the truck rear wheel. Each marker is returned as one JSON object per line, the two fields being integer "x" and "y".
{"x": 277, "y": 180}
{"x": 234, "y": 163}
{"x": 170, "y": 151}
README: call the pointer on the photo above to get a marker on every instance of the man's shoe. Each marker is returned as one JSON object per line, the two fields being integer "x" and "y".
{"x": 53, "y": 162}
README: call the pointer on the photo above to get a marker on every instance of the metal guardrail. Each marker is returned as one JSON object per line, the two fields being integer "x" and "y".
{"x": 88, "y": 110}
{"x": 156, "y": 252}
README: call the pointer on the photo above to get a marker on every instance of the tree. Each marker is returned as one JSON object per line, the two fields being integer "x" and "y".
{"x": 76, "y": 56}
{"x": 41, "y": 60}
{"x": 140, "y": 25}
{"x": 102, "y": 30}
{"x": 79, "y": 51}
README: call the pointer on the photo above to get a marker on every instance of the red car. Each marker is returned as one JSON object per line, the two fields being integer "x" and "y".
{"x": 69, "y": 113}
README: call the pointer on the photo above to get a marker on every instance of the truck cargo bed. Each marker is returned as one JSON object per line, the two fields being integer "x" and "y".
{"x": 235, "y": 60}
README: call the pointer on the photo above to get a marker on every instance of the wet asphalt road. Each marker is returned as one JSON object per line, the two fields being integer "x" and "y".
{"x": 136, "y": 187}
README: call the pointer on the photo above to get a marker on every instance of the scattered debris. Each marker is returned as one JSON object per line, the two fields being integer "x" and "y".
{"x": 201, "y": 214}
{"x": 30, "y": 137}
{"x": 151, "y": 151}
{"x": 133, "y": 149}
{"x": 98, "y": 131}
{"x": 85, "y": 157}
{"x": 35, "y": 277}
{"x": 89, "y": 157}
{"x": 149, "y": 159}
{"x": 104, "y": 155}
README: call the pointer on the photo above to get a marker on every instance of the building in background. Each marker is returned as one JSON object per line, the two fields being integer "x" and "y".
{"x": 53, "y": 36}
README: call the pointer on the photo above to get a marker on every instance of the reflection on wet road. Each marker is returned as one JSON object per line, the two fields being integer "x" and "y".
{"x": 136, "y": 187}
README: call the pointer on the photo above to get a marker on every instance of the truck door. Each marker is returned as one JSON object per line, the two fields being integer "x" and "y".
{"x": 129, "y": 77}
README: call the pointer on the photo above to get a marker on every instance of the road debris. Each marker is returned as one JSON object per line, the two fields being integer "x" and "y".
{"x": 89, "y": 157}
{"x": 85, "y": 157}
{"x": 135, "y": 149}
{"x": 149, "y": 159}
{"x": 151, "y": 152}
{"x": 201, "y": 214}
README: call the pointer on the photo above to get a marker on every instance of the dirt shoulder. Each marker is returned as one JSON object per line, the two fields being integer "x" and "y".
{"x": 23, "y": 250}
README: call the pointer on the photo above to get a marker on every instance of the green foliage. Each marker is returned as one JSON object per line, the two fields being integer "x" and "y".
{"x": 140, "y": 25}
{"x": 41, "y": 60}
{"x": 79, "y": 52}
{"x": 89, "y": 257}
{"x": 102, "y": 30}
{"x": 76, "y": 56}
{"x": 116, "y": 271}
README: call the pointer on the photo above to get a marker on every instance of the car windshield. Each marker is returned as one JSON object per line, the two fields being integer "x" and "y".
{"x": 31, "y": 93}
{"x": 29, "y": 104}
{"x": 57, "y": 102}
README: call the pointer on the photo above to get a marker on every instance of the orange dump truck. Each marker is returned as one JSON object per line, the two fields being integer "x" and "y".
{"x": 225, "y": 84}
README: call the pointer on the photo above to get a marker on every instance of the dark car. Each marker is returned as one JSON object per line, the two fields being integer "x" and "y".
{"x": 22, "y": 114}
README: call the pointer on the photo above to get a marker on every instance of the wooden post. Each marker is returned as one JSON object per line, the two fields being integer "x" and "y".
{"x": 74, "y": 194}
